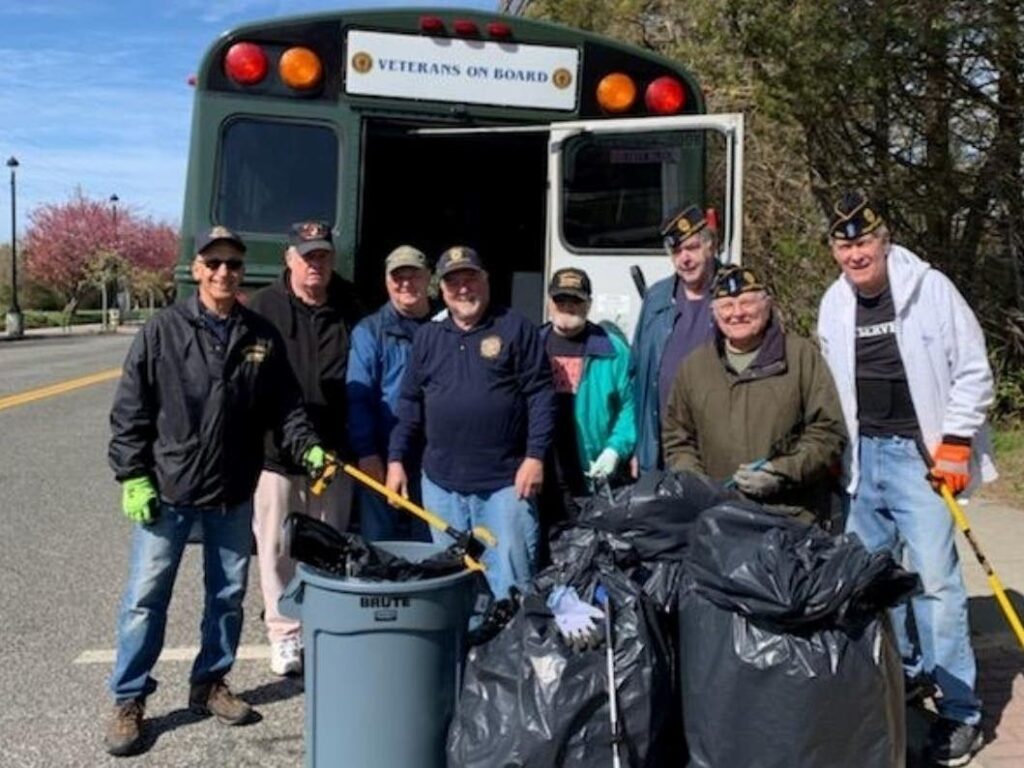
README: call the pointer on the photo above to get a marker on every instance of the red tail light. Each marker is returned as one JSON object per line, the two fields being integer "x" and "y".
{"x": 499, "y": 30}
{"x": 245, "y": 63}
{"x": 665, "y": 96}
{"x": 465, "y": 28}
{"x": 432, "y": 25}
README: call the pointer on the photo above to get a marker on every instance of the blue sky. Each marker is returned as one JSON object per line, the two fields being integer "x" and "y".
{"x": 94, "y": 94}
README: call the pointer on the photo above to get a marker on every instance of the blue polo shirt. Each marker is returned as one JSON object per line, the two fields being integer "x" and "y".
{"x": 482, "y": 398}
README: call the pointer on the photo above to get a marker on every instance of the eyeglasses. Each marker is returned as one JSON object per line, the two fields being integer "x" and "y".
{"x": 213, "y": 265}
{"x": 744, "y": 304}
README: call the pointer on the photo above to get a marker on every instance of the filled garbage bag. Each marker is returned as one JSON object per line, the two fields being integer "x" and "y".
{"x": 529, "y": 701}
{"x": 645, "y": 525}
{"x": 321, "y": 546}
{"x": 787, "y": 656}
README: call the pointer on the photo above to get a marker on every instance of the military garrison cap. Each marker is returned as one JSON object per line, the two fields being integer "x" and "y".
{"x": 308, "y": 236}
{"x": 732, "y": 280}
{"x": 218, "y": 234}
{"x": 682, "y": 224}
{"x": 458, "y": 257}
{"x": 853, "y": 215}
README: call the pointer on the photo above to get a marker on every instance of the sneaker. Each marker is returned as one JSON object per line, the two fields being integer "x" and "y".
{"x": 124, "y": 729}
{"x": 952, "y": 743}
{"x": 286, "y": 656}
{"x": 217, "y": 699}
{"x": 918, "y": 689}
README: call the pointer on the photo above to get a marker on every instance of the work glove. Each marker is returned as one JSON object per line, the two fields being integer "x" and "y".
{"x": 139, "y": 500}
{"x": 315, "y": 459}
{"x": 604, "y": 465}
{"x": 758, "y": 480}
{"x": 952, "y": 464}
{"x": 578, "y": 622}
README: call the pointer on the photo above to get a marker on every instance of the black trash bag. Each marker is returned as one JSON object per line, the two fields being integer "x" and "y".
{"x": 319, "y": 545}
{"x": 787, "y": 657}
{"x": 528, "y": 701}
{"x": 645, "y": 525}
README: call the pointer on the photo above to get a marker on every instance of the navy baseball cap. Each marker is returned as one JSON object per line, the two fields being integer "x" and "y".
{"x": 308, "y": 236}
{"x": 218, "y": 234}
{"x": 459, "y": 257}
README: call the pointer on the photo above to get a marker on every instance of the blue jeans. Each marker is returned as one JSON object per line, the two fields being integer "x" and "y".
{"x": 379, "y": 521}
{"x": 895, "y": 509}
{"x": 513, "y": 522}
{"x": 156, "y": 553}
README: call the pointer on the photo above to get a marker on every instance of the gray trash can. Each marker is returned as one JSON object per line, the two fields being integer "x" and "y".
{"x": 383, "y": 663}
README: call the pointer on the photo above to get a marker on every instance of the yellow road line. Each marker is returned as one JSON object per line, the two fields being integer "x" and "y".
{"x": 58, "y": 389}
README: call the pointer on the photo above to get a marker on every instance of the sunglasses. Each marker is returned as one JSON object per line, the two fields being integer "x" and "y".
{"x": 213, "y": 265}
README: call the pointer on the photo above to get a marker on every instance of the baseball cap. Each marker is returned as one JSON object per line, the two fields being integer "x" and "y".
{"x": 308, "y": 236}
{"x": 218, "y": 234}
{"x": 459, "y": 257}
{"x": 570, "y": 282}
{"x": 405, "y": 256}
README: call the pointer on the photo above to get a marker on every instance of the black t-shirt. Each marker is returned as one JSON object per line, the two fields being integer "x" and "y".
{"x": 567, "y": 356}
{"x": 883, "y": 396}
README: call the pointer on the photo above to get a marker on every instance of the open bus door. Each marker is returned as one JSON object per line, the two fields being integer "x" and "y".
{"x": 611, "y": 183}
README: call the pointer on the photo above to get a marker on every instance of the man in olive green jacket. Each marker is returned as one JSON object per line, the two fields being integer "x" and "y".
{"x": 756, "y": 408}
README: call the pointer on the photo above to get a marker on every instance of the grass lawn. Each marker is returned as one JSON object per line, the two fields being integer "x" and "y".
{"x": 1009, "y": 445}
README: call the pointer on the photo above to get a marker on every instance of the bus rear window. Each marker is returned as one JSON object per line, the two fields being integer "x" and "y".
{"x": 272, "y": 174}
{"x": 617, "y": 190}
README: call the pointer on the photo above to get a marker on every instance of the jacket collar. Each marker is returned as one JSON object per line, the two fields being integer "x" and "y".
{"x": 771, "y": 355}
{"x": 598, "y": 343}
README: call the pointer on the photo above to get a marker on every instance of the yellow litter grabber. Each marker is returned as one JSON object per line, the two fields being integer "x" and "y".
{"x": 473, "y": 543}
{"x": 993, "y": 580}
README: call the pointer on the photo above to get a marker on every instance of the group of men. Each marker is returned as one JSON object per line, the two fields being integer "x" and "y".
{"x": 224, "y": 411}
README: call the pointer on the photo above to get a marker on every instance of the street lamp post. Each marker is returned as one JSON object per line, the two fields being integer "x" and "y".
{"x": 105, "y": 276}
{"x": 15, "y": 324}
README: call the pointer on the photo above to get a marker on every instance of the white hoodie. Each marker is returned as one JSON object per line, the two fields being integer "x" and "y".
{"x": 943, "y": 352}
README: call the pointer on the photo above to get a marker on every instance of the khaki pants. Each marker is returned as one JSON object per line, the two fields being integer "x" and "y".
{"x": 276, "y": 496}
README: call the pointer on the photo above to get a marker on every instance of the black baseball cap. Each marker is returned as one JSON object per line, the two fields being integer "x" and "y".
{"x": 218, "y": 234}
{"x": 570, "y": 282}
{"x": 459, "y": 257}
{"x": 308, "y": 236}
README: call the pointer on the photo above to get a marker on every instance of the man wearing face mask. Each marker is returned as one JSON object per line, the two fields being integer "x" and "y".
{"x": 674, "y": 320}
{"x": 314, "y": 308}
{"x": 755, "y": 407}
{"x": 477, "y": 392}
{"x": 595, "y": 430}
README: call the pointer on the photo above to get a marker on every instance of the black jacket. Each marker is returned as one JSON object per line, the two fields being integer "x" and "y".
{"x": 317, "y": 341}
{"x": 191, "y": 413}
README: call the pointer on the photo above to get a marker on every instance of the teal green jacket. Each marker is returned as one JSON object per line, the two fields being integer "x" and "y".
{"x": 604, "y": 405}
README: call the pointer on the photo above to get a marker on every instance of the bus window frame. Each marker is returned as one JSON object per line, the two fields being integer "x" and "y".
{"x": 268, "y": 117}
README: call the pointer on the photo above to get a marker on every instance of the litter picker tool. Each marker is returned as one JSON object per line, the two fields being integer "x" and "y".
{"x": 993, "y": 580}
{"x": 613, "y": 698}
{"x": 473, "y": 543}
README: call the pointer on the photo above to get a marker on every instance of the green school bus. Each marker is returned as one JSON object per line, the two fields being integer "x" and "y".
{"x": 539, "y": 145}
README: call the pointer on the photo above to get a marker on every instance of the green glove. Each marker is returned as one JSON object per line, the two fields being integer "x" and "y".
{"x": 315, "y": 459}
{"x": 139, "y": 499}
{"x": 758, "y": 480}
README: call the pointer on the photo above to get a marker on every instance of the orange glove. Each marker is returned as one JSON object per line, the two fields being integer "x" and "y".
{"x": 952, "y": 464}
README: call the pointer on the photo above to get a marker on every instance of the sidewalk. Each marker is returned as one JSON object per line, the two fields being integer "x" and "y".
{"x": 87, "y": 329}
{"x": 999, "y": 530}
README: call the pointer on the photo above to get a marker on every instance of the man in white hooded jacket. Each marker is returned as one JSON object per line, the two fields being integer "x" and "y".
{"x": 908, "y": 358}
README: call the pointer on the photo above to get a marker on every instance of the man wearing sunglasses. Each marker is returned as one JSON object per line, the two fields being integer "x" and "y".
{"x": 203, "y": 382}
{"x": 314, "y": 309}
{"x": 674, "y": 320}
{"x": 755, "y": 407}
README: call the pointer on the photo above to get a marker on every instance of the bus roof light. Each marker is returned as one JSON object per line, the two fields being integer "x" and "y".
{"x": 499, "y": 30}
{"x": 245, "y": 63}
{"x": 432, "y": 25}
{"x": 616, "y": 92}
{"x": 665, "y": 96}
{"x": 465, "y": 28}
{"x": 300, "y": 68}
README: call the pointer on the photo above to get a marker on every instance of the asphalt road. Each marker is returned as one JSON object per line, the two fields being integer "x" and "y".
{"x": 62, "y": 569}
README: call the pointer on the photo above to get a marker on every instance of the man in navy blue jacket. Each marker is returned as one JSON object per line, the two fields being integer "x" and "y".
{"x": 478, "y": 389}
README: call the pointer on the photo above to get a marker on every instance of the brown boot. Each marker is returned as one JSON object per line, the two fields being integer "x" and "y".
{"x": 124, "y": 729}
{"x": 217, "y": 699}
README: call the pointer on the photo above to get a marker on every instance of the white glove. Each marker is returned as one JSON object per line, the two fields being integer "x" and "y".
{"x": 578, "y": 622}
{"x": 604, "y": 464}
